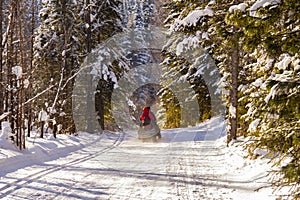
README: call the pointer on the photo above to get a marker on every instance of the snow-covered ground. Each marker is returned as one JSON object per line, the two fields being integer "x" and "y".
{"x": 186, "y": 163}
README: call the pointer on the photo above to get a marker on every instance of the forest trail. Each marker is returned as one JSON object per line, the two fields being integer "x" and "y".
{"x": 184, "y": 164}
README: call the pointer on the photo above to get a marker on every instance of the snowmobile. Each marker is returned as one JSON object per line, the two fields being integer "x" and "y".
{"x": 150, "y": 132}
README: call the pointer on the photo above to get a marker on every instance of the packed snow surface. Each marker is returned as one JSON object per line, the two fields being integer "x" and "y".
{"x": 187, "y": 163}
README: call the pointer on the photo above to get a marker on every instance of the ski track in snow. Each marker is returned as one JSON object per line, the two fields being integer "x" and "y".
{"x": 182, "y": 165}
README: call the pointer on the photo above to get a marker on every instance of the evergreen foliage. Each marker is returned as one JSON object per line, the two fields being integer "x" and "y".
{"x": 254, "y": 43}
{"x": 61, "y": 45}
{"x": 272, "y": 92}
{"x": 56, "y": 61}
{"x": 260, "y": 41}
{"x": 184, "y": 41}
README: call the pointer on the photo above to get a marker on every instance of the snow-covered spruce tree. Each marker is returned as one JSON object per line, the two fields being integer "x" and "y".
{"x": 56, "y": 58}
{"x": 180, "y": 21}
{"x": 206, "y": 26}
{"x": 104, "y": 19}
{"x": 105, "y": 23}
{"x": 140, "y": 51}
{"x": 226, "y": 49}
{"x": 68, "y": 33}
{"x": 272, "y": 39}
{"x": 170, "y": 110}
{"x": 100, "y": 21}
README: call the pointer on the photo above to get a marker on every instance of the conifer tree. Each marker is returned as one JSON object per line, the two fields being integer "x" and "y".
{"x": 195, "y": 21}
{"x": 272, "y": 39}
{"x": 69, "y": 31}
{"x": 99, "y": 21}
{"x": 55, "y": 61}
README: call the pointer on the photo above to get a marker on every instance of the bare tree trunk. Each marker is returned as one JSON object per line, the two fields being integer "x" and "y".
{"x": 90, "y": 125}
{"x": 1, "y": 62}
{"x": 15, "y": 64}
{"x": 10, "y": 63}
{"x": 29, "y": 106}
{"x": 233, "y": 118}
{"x": 21, "y": 92}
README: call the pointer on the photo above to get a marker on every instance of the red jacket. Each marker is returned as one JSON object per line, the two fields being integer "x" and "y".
{"x": 146, "y": 112}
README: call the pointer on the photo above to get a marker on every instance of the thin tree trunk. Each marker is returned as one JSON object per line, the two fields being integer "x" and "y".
{"x": 21, "y": 100}
{"x": 90, "y": 125}
{"x": 29, "y": 106}
{"x": 1, "y": 62}
{"x": 10, "y": 63}
{"x": 233, "y": 118}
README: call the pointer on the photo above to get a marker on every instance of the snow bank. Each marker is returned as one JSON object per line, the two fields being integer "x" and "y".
{"x": 190, "y": 155}
{"x": 286, "y": 59}
{"x": 4, "y": 135}
{"x": 40, "y": 149}
{"x": 240, "y": 169}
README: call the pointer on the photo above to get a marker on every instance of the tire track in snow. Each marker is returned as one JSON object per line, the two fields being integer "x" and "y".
{"x": 198, "y": 177}
{"x": 20, "y": 183}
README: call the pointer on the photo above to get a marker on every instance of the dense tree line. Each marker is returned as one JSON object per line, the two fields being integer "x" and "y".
{"x": 43, "y": 46}
{"x": 69, "y": 31}
{"x": 255, "y": 45}
{"x": 18, "y": 21}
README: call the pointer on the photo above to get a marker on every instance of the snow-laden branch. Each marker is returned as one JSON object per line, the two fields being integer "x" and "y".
{"x": 59, "y": 88}
{"x": 39, "y": 94}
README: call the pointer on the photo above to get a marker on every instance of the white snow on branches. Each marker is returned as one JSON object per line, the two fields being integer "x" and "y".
{"x": 272, "y": 93}
{"x": 253, "y": 125}
{"x": 192, "y": 18}
{"x": 242, "y": 7}
{"x": 262, "y": 3}
{"x": 187, "y": 44}
{"x": 284, "y": 63}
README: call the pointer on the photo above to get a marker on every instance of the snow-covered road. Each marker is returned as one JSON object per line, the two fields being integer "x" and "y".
{"x": 183, "y": 165}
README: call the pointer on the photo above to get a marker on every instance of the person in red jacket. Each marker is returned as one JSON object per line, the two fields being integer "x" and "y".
{"x": 147, "y": 116}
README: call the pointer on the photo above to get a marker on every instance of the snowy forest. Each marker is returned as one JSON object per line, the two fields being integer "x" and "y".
{"x": 238, "y": 58}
